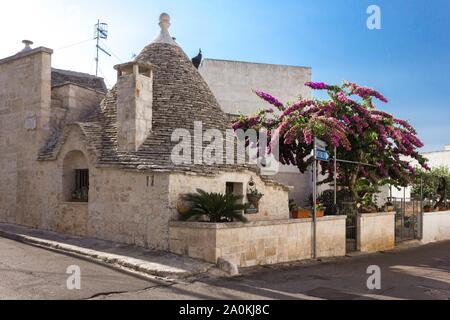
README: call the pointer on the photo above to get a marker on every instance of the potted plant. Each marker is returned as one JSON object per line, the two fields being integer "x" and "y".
{"x": 320, "y": 210}
{"x": 253, "y": 197}
{"x": 302, "y": 213}
{"x": 428, "y": 208}
{"x": 213, "y": 207}
{"x": 389, "y": 207}
{"x": 292, "y": 206}
{"x": 327, "y": 199}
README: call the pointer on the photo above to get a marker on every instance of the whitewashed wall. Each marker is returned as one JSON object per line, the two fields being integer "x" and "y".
{"x": 436, "y": 226}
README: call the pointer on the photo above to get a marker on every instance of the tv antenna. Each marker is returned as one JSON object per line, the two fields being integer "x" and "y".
{"x": 100, "y": 32}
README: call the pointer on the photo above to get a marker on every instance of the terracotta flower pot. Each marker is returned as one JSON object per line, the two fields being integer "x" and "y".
{"x": 428, "y": 209}
{"x": 301, "y": 214}
{"x": 306, "y": 214}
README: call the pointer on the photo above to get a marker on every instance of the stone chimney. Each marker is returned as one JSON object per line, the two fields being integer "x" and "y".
{"x": 134, "y": 104}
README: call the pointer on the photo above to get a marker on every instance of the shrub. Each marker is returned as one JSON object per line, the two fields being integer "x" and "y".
{"x": 218, "y": 208}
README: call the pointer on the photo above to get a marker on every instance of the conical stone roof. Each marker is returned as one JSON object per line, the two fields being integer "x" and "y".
{"x": 181, "y": 97}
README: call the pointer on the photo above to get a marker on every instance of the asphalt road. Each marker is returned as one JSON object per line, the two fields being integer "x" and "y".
{"x": 423, "y": 272}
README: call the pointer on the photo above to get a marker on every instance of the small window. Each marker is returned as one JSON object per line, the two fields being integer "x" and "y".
{"x": 230, "y": 188}
{"x": 235, "y": 188}
{"x": 81, "y": 188}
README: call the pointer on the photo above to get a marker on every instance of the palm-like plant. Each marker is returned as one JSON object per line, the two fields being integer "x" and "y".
{"x": 217, "y": 207}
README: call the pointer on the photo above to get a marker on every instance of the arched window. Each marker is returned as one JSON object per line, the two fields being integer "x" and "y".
{"x": 75, "y": 177}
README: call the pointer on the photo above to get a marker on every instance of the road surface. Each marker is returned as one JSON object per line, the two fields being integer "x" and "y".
{"x": 28, "y": 272}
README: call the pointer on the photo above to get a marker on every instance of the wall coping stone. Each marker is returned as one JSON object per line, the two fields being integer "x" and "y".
{"x": 436, "y": 213}
{"x": 378, "y": 214}
{"x": 238, "y": 225}
{"x": 75, "y": 203}
{"x": 21, "y": 55}
{"x": 332, "y": 218}
{"x": 77, "y": 85}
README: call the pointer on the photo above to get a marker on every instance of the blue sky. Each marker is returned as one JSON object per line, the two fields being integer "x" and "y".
{"x": 408, "y": 60}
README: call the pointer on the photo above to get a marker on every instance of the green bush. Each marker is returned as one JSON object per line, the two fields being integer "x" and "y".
{"x": 433, "y": 185}
{"x": 218, "y": 208}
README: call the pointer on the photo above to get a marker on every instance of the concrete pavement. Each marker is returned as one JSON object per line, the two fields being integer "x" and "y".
{"x": 28, "y": 272}
{"x": 120, "y": 256}
{"x": 419, "y": 273}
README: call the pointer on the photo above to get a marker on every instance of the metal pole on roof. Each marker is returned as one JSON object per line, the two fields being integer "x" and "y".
{"x": 101, "y": 32}
{"x": 97, "y": 47}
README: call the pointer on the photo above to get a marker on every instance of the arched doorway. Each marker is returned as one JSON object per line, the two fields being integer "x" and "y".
{"x": 75, "y": 177}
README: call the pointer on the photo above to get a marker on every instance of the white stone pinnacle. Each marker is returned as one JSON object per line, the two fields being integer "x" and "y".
{"x": 164, "y": 36}
{"x": 28, "y": 45}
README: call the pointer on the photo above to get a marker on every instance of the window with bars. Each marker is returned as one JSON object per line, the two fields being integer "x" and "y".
{"x": 81, "y": 192}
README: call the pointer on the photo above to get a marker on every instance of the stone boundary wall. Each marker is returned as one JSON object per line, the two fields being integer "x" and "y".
{"x": 436, "y": 227}
{"x": 376, "y": 232}
{"x": 258, "y": 243}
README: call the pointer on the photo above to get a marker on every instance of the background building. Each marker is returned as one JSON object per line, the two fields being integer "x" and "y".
{"x": 233, "y": 82}
{"x": 439, "y": 158}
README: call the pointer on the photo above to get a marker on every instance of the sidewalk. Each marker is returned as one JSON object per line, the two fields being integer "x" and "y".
{"x": 126, "y": 258}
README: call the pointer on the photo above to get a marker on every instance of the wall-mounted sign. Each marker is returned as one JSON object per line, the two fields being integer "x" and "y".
{"x": 31, "y": 122}
{"x": 322, "y": 155}
{"x": 320, "y": 151}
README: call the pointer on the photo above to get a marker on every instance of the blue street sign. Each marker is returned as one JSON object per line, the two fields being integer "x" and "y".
{"x": 322, "y": 155}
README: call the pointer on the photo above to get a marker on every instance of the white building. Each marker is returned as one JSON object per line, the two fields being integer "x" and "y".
{"x": 439, "y": 158}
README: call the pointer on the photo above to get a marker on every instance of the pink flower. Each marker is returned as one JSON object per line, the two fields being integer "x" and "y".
{"x": 343, "y": 98}
{"x": 270, "y": 99}
{"x": 317, "y": 85}
{"x": 307, "y": 136}
{"x": 346, "y": 121}
{"x": 382, "y": 114}
{"x": 300, "y": 105}
{"x": 364, "y": 92}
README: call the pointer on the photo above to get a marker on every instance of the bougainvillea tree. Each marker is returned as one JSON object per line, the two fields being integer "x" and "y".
{"x": 349, "y": 121}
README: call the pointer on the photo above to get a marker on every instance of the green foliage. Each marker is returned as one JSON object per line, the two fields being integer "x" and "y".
{"x": 434, "y": 185}
{"x": 219, "y": 208}
{"x": 327, "y": 199}
{"x": 293, "y": 206}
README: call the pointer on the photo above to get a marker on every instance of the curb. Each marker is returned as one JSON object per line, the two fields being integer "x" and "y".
{"x": 137, "y": 270}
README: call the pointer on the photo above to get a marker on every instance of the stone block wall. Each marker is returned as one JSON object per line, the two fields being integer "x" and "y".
{"x": 436, "y": 227}
{"x": 258, "y": 243}
{"x": 232, "y": 83}
{"x": 124, "y": 206}
{"x": 376, "y": 232}
{"x": 72, "y": 103}
{"x": 24, "y": 125}
{"x": 72, "y": 218}
{"x": 331, "y": 236}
